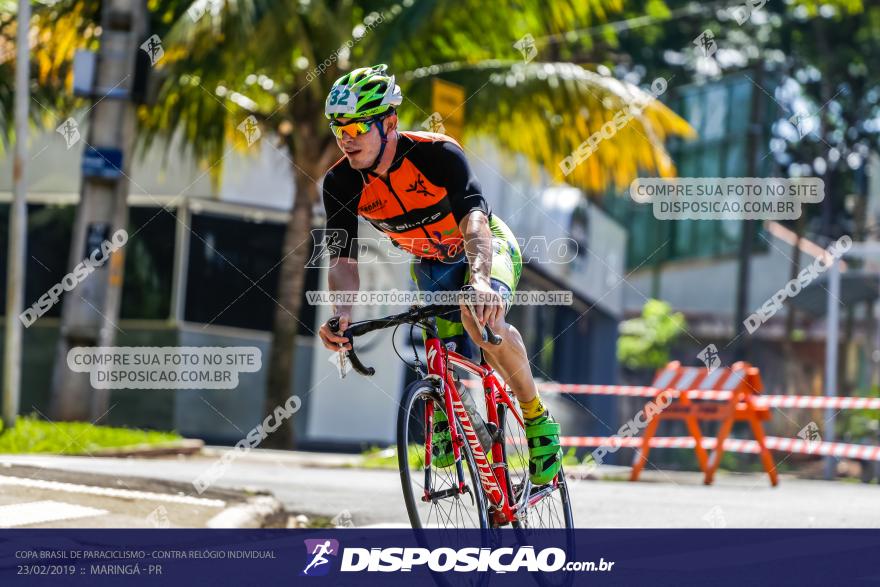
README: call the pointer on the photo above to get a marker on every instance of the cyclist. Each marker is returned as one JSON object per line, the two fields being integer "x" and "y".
{"x": 419, "y": 190}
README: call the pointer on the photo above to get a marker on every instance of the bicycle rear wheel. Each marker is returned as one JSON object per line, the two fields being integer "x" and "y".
{"x": 551, "y": 507}
{"x": 448, "y": 509}
{"x": 553, "y": 510}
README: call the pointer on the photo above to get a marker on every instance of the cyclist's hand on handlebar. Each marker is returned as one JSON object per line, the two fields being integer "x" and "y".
{"x": 332, "y": 340}
{"x": 488, "y": 306}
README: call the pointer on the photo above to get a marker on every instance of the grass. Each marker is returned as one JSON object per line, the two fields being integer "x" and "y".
{"x": 386, "y": 458}
{"x": 32, "y": 435}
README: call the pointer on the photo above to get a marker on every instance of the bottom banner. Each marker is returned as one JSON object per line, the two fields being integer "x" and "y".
{"x": 443, "y": 557}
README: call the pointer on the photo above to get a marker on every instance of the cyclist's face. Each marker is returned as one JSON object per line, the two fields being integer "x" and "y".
{"x": 363, "y": 149}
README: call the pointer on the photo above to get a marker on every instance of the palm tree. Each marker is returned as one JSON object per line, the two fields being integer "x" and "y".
{"x": 259, "y": 58}
{"x": 274, "y": 60}
{"x": 56, "y": 33}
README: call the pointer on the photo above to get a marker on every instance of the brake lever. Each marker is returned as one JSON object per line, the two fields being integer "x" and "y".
{"x": 333, "y": 324}
{"x": 491, "y": 336}
{"x": 487, "y": 334}
{"x": 356, "y": 363}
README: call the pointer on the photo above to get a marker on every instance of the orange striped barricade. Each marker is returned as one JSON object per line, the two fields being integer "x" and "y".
{"x": 695, "y": 398}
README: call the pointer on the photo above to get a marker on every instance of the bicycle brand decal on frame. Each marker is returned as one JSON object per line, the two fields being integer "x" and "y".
{"x": 487, "y": 477}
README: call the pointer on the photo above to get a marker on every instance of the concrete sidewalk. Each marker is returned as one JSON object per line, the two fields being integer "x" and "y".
{"x": 40, "y": 497}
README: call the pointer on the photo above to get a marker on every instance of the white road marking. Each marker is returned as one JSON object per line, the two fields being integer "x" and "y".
{"x": 110, "y": 492}
{"x": 38, "y": 512}
{"x": 387, "y": 525}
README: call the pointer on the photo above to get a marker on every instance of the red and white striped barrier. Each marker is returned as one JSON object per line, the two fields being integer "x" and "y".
{"x": 795, "y": 445}
{"x": 627, "y": 390}
{"x": 739, "y": 386}
{"x": 770, "y": 401}
{"x": 809, "y": 401}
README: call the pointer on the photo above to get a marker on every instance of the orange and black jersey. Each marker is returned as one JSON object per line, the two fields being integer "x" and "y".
{"x": 429, "y": 188}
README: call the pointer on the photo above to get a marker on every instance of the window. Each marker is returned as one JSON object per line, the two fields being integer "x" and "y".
{"x": 226, "y": 256}
{"x": 47, "y": 256}
{"x": 149, "y": 264}
{"x": 719, "y": 112}
{"x": 234, "y": 267}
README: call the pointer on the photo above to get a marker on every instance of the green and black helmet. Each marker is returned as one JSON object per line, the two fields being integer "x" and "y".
{"x": 362, "y": 93}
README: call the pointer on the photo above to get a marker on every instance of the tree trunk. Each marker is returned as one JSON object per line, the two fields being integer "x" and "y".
{"x": 747, "y": 232}
{"x": 794, "y": 381}
{"x": 296, "y": 253}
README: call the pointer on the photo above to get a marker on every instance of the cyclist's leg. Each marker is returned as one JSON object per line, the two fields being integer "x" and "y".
{"x": 435, "y": 276}
{"x": 511, "y": 360}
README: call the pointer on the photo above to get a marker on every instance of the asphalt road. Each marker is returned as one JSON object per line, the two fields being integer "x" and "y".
{"x": 327, "y": 485}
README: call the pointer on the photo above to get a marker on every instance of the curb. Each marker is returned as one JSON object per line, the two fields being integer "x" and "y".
{"x": 256, "y": 512}
{"x": 296, "y": 458}
{"x": 187, "y": 446}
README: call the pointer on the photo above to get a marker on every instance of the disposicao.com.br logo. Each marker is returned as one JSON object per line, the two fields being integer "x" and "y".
{"x": 318, "y": 550}
{"x": 444, "y": 559}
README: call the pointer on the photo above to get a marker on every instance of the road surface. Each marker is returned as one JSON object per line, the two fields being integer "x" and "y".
{"x": 328, "y": 485}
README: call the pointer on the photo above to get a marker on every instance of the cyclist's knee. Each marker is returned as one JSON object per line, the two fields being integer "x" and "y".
{"x": 514, "y": 336}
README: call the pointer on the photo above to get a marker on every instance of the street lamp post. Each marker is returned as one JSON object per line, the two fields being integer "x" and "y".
{"x": 17, "y": 224}
{"x": 831, "y": 347}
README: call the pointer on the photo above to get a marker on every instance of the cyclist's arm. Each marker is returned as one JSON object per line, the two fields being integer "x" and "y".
{"x": 340, "y": 205}
{"x": 343, "y": 276}
{"x": 478, "y": 248}
{"x": 471, "y": 212}
{"x": 462, "y": 186}
{"x": 477, "y": 245}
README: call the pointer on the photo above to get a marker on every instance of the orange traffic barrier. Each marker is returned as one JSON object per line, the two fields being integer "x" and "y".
{"x": 687, "y": 387}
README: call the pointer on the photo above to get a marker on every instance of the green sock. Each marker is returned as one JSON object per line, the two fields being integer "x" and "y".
{"x": 532, "y": 409}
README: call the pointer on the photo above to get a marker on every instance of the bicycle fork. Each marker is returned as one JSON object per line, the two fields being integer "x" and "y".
{"x": 493, "y": 482}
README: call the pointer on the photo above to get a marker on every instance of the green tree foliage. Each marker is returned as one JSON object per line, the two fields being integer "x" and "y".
{"x": 274, "y": 60}
{"x": 644, "y": 342}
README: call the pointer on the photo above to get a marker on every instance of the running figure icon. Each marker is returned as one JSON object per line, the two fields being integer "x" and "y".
{"x": 319, "y": 554}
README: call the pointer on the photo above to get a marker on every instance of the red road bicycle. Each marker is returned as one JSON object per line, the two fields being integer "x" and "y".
{"x": 483, "y": 489}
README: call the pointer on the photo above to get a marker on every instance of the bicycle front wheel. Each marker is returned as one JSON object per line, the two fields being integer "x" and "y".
{"x": 444, "y": 507}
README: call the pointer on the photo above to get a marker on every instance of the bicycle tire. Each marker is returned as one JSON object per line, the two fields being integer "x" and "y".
{"x": 521, "y": 527}
{"x": 412, "y": 410}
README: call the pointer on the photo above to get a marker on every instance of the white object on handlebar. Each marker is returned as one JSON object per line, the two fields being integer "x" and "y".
{"x": 473, "y": 312}
{"x": 340, "y": 360}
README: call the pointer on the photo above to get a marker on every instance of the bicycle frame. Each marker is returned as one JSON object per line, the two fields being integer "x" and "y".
{"x": 493, "y": 477}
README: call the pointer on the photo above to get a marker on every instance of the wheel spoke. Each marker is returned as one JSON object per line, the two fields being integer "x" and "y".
{"x": 456, "y": 510}
{"x": 548, "y": 511}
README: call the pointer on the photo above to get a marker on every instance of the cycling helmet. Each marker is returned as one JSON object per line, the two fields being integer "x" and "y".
{"x": 363, "y": 93}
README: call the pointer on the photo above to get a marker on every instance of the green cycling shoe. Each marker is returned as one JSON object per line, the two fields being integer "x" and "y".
{"x": 441, "y": 441}
{"x": 545, "y": 452}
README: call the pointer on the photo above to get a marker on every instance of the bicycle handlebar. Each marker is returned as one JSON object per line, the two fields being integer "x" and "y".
{"x": 410, "y": 317}
{"x": 491, "y": 336}
{"x": 356, "y": 363}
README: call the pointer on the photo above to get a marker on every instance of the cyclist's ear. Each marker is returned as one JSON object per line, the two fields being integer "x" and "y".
{"x": 390, "y": 123}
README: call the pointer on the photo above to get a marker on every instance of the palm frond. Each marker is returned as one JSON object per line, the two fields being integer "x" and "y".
{"x": 472, "y": 31}
{"x": 546, "y": 111}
